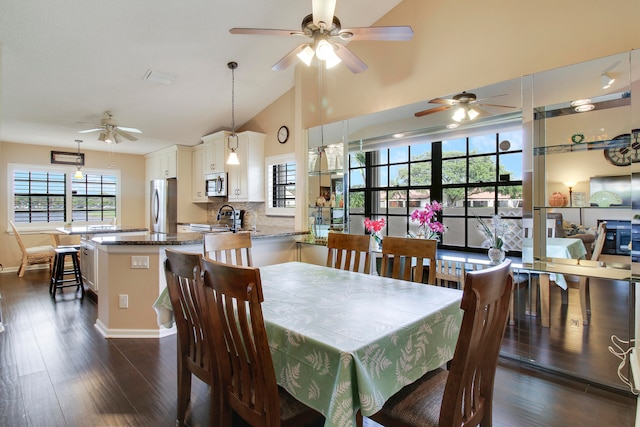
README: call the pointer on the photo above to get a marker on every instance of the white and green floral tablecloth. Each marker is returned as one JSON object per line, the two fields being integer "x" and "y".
{"x": 344, "y": 341}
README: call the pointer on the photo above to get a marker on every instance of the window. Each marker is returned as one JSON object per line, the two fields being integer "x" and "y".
{"x": 479, "y": 174}
{"x": 94, "y": 198}
{"x": 281, "y": 183}
{"x": 50, "y": 195}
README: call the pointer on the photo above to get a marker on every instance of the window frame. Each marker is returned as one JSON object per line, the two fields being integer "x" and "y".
{"x": 270, "y": 162}
{"x": 68, "y": 171}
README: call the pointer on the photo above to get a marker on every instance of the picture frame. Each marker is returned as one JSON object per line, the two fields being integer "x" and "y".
{"x": 67, "y": 158}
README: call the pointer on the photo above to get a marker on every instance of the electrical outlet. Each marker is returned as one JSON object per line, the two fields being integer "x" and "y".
{"x": 123, "y": 301}
{"x": 139, "y": 262}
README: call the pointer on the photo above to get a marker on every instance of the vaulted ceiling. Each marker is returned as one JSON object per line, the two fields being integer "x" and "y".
{"x": 65, "y": 63}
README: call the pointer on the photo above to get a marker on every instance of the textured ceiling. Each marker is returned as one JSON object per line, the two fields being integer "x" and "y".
{"x": 67, "y": 62}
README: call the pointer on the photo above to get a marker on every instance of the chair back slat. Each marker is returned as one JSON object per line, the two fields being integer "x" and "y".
{"x": 230, "y": 248}
{"x": 349, "y": 252}
{"x": 405, "y": 258}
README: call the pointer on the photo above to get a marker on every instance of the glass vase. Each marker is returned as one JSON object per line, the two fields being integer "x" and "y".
{"x": 496, "y": 255}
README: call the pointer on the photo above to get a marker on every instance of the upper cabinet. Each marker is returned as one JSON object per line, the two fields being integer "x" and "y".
{"x": 198, "y": 188}
{"x": 214, "y": 152}
{"x": 246, "y": 180}
{"x": 162, "y": 164}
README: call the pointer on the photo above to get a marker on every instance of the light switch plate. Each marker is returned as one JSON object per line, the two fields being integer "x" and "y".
{"x": 139, "y": 262}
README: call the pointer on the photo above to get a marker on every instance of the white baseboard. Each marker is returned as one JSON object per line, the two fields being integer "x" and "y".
{"x": 133, "y": 333}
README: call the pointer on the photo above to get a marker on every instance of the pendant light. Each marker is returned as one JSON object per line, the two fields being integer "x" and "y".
{"x": 78, "y": 174}
{"x": 233, "y": 156}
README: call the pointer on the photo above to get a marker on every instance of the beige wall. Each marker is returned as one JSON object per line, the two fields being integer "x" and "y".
{"x": 131, "y": 169}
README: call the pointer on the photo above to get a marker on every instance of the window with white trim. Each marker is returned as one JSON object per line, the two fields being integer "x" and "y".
{"x": 50, "y": 195}
{"x": 281, "y": 185}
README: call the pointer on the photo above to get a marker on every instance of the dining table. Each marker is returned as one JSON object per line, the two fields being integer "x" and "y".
{"x": 557, "y": 247}
{"x": 343, "y": 341}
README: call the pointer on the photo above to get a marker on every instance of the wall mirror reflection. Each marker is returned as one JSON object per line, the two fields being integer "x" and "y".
{"x": 556, "y": 150}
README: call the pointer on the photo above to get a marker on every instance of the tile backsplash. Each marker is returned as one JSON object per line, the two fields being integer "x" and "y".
{"x": 263, "y": 222}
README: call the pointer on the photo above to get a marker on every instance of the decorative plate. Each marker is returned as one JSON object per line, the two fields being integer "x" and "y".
{"x": 604, "y": 199}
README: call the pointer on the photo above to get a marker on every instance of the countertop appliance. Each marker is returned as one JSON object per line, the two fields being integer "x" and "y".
{"x": 617, "y": 237}
{"x": 216, "y": 184}
{"x": 164, "y": 206}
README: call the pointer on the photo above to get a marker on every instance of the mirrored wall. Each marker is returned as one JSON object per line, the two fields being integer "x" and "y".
{"x": 574, "y": 134}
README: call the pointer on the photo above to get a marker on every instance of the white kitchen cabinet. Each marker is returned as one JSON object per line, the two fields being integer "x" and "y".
{"x": 198, "y": 188}
{"x": 246, "y": 180}
{"x": 162, "y": 164}
{"x": 214, "y": 152}
{"x": 88, "y": 264}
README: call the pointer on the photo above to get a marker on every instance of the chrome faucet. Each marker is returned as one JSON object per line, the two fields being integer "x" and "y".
{"x": 233, "y": 217}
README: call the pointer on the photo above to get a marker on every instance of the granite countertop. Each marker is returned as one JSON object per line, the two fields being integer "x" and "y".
{"x": 194, "y": 238}
{"x": 99, "y": 229}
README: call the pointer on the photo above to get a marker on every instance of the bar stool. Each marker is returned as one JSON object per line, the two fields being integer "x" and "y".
{"x": 59, "y": 277}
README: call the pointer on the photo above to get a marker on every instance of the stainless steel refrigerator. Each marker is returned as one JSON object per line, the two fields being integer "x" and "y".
{"x": 164, "y": 206}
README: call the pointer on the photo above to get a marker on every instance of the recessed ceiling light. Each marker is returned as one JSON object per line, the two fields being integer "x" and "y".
{"x": 453, "y": 125}
{"x": 398, "y": 135}
{"x": 159, "y": 77}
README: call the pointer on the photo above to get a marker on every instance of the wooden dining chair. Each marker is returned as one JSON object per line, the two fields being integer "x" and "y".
{"x": 400, "y": 255}
{"x": 463, "y": 395}
{"x": 234, "y": 298}
{"x": 230, "y": 248}
{"x": 195, "y": 355}
{"x": 43, "y": 254}
{"x": 349, "y": 252}
{"x": 582, "y": 282}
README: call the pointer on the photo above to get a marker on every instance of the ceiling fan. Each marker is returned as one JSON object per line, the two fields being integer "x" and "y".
{"x": 467, "y": 106}
{"x": 109, "y": 130}
{"x": 324, "y": 29}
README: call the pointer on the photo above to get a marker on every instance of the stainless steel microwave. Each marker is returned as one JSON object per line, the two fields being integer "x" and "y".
{"x": 216, "y": 184}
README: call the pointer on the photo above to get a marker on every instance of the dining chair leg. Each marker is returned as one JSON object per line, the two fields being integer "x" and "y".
{"x": 544, "y": 300}
{"x": 584, "y": 300}
{"x": 184, "y": 391}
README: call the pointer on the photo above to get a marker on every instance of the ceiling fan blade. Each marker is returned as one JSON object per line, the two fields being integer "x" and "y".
{"x": 266, "y": 32}
{"x": 124, "y": 135}
{"x": 350, "y": 59}
{"x": 89, "y": 130}
{"x": 401, "y": 33}
{"x": 494, "y": 105}
{"x": 445, "y": 101}
{"x": 432, "y": 110}
{"x": 289, "y": 59}
{"x": 323, "y": 11}
{"x": 134, "y": 130}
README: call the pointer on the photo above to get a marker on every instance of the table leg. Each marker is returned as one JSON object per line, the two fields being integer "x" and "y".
{"x": 544, "y": 300}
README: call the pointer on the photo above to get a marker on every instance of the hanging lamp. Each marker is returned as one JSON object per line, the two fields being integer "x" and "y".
{"x": 233, "y": 156}
{"x": 78, "y": 174}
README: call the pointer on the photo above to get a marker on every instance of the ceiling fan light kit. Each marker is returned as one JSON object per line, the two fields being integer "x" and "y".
{"x": 325, "y": 29}
{"x": 466, "y": 106}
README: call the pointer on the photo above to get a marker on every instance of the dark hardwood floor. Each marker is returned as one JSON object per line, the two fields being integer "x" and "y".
{"x": 57, "y": 370}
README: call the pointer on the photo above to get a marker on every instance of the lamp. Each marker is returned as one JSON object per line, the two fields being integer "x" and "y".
{"x": 607, "y": 80}
{"x": 233, "y": 156}
{"x": 78, "y": 174}
{"x": 570, "y": 184}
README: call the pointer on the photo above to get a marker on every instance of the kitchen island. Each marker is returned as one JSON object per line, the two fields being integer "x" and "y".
{"x": 131, "y": 275}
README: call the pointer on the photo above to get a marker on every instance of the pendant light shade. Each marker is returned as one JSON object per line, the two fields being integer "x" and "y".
{"x": 78, "y": 174}
{"x": 232, "y": 140}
